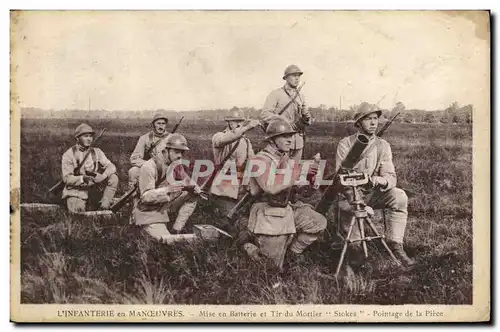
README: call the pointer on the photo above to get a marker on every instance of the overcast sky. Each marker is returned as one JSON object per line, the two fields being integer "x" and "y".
{"x": 186, "y": 61}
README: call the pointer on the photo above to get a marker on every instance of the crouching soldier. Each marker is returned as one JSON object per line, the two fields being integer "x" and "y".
{"x": 94, "y": 181}
{"x": 165, "y": 189}
{"x": 382, "y": 193}
{"x": 277, "y": 222}
{"x": 144, "y": 148}
{"x": 233, "y": 143}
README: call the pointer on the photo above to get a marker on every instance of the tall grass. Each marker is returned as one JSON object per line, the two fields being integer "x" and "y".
{"x": 66, "y": 259}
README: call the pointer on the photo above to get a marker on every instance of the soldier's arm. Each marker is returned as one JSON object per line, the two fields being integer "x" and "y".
{"x": 109, "y": 167}
{"x": 68, "y": 168}
{"x": 147, "y": 187}
{"x": 386, "y": 168}
{"x": 269, "y": 108}
{"x": 222, "y": 139}
{"x": 137, "y": 157}
{"x": 342, "y": 151}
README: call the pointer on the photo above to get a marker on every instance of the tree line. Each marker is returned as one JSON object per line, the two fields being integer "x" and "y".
{"x": 452, "y": 114}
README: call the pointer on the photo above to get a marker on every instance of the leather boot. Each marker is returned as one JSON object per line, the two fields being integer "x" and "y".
{"x": 398, "y": 251}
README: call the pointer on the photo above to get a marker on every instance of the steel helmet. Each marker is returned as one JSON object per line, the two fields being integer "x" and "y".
{"x": 292, "y": 69}
{"x": 83, "y": 129}
{"x": 159, "y": 116}
{"x": 278, "y": 127}
{"x": 365, "y": 109}
{"x": 235, "y": 116}
{"x": 176, "y": 142}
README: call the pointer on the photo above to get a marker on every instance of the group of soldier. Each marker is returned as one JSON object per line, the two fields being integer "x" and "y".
{"x": 278, "y": 225}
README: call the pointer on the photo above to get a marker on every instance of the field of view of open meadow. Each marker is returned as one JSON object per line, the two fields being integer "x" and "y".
{"x": 67, "y": 259}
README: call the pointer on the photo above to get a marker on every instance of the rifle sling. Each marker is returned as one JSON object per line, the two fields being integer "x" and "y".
{"x": 292, "y": 100}
{"x": 79, "y": 163}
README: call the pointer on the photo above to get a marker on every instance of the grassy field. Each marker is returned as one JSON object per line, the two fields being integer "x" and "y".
{"x": 67, "y": 260}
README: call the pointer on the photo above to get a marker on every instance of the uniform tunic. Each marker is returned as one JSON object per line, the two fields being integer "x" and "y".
{"x": 270, "y": 222}
{"x": 377, "y": 162}
{"x": 74, "y": 184}
{"x": 138, "y": 156}
{"x": 152, "y": 206}
{"x": 278, "y": 99}
{"x": 222, "y": 143}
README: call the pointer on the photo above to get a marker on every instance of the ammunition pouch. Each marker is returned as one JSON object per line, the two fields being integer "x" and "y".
{"x": 281, "y": 199}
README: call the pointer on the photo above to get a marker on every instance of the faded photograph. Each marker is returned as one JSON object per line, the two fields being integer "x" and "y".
{"x": 232, "y": 158}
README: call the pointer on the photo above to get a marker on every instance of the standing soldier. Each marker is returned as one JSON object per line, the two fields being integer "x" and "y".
{"x": 159, "y": 196}
{"x": 274, "y": 219}
{"x": 144, "y": 148}
{"x": 376, "y": 160}
{"x": 231, "y": 141}
{"x": 295, "y": 113}
{"x": 95, "y": 175}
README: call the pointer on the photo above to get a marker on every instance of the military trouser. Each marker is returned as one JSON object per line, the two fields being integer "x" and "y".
{"x": 156, "y": 219}
{"x": 394, "y": 201}
{"x": 108, "y": 188}
{"x": 308, "y": 225}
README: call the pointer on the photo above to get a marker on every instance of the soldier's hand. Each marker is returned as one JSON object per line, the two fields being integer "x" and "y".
{"x": 370, "y": 211}
{"x": 252, "y": 124}
{"x": 379, "y": 181}
{"x": 197, "y": 189}
{"x": 174, "y": 188}
{"x": 87, "y": 179}
{"x": 99, "y": 178}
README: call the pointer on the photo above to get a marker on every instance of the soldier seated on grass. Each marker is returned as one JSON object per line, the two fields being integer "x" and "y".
{"x": 279, "y": 225}
{"x": 143, "y": 149}
{"x": 164, "y": 189}
{"x": 95, "y": 181}
{"x": 381, "y": 193}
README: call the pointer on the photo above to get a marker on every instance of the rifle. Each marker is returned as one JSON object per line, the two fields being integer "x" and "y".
{"x": 60, "y": 185}
{"x": 122, "y": 200}
{"x": 354, "y": 155}
{"x": 264, "y": 125}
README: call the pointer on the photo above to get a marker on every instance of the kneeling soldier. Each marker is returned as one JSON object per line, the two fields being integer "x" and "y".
{"x": 275, "y": 218}
{"x": 376, "y": 161}
{"x": 87, "y": 183}
{"x": 231, "y": 141}
{"x": 159, "y": 196}
{"x": 143, "y": 149}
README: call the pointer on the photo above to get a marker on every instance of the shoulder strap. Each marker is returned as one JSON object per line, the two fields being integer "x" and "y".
{"x": 161, "y": 174}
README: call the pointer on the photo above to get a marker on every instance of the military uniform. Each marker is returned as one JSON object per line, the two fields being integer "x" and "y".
{"x": 227, "y": 191}
{"x": 139, "y": 156}
{"x": 77, "y": 191}
{"x": 294, "y": 114}
{"x": 276, "y": 222}
{"x": 157, "y": 198}
{"x": 376, "y": 161}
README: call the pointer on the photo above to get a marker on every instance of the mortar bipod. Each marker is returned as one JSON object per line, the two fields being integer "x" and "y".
{"x": 353, "y": 180}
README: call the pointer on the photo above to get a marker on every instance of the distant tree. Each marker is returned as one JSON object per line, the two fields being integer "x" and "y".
{"x": 399, "y": 107}
{"x": 408, "y": 117}
{"x": 453, "y": 107}
{"x": 429, "y": 117}
{"x": 353, "y": 108}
